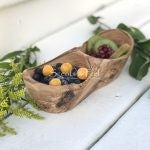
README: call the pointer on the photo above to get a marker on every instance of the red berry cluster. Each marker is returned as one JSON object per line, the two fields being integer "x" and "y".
{"x": 104, "y": 51}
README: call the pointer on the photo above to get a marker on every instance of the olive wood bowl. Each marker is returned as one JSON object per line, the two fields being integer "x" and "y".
{"x": 58, "y": 99}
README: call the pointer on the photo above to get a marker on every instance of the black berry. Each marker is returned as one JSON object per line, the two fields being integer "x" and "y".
{"x": 37, "y": 77}
{"x": 38, "y": 71}
{"x": 57, "y": 68}
{"x": 58, "y": 65}
{"x": 46, "y": 80}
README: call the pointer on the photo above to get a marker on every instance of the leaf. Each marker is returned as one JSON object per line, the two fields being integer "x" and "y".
{"x": 142, "y": 53}
{"x": 30, "y": 100}
{"x": 5, "y": 65}
{"x": 98, "y": 30}
{"x": 11, "y": 55}
{"x": 139, "y": 66}
{"x": 33, "y": 49}
{"x": 25, "y": 112}
{"x": 137, "y": 34}
{"x": 145, "y": 46}
{"x": 6, "y": 129}
{"x": 134, "y": 32}
{"x": 123, "y": 27}
{"x": 13, "y": 88}
{"x": 21, "y": 64}
{"x": 140, "y": 58}
{"x": 93, "y": 19}
{"x": 143, "y": 70}
{"x": 33, "y": 64}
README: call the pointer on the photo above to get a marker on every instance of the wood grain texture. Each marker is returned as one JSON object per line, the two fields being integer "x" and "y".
{"x": 102, "y": 71}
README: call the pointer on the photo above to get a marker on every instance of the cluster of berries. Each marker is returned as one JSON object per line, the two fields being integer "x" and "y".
{"x": 60, "y": 74}
{"x": 104, "y": 51}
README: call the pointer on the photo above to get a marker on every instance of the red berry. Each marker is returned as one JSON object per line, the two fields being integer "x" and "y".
{"x": 105, "y": 51}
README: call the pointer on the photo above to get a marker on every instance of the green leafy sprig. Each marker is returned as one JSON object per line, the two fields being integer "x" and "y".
{"x": 13, "y": 95}
{"x": 140, "y": 63}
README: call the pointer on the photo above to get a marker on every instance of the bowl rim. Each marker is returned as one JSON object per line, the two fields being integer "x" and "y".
{"x": 119, "y": 58}
{"x": 28, "y": 78}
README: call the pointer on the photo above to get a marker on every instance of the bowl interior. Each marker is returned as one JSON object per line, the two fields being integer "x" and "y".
{"x": 116, "y": 35}
{"x": 74, "y": 56}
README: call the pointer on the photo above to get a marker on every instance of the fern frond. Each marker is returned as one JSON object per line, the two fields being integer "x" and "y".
{"x": 30, "y": 100}
{"x": 2, "y": 113}
{"x": 5, "y": 129}
{"x": 16, "y": 95}
{"x": 24, "y": 112}
{"x": 4, "y": 104}
{"x": 12, "y": 88}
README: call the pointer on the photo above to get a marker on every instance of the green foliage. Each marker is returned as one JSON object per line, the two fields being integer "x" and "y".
{"x": 134, "y": 32}
{"x": 12, "y": 89}
{"x": 5, "y": 129}
{"x": 98, "y": 30}
{"x": 145, "y": 46}
{"x": 141, "y": 53}
{"x": 16, "y": 95}
{"x": 11, "y": 55}
{"x": 93, "y": 19}
{"x": 24, "y": 112}
{"x": 17, "y": 79}
{"x": 30, "y": 100}
{"x": 5, "y": 65}
{"x": 140, "y": 63}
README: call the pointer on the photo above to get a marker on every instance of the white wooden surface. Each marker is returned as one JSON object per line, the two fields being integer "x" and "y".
{"x": 8, "y": 3}
{"x": 79, "y": 128}
{"x": 23, "y": 24}
{"x": 132, "y": 131}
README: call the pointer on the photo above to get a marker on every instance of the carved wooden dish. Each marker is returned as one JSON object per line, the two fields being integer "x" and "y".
{"x": 102, "y": 71}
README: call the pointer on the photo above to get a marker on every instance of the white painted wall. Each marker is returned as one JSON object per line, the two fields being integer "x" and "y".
{"x": 25, "y": 23}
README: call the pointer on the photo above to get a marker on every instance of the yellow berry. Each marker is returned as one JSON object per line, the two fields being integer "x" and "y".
{"x": 55, "y": 82}
{"x": 66, "y": 68}
{"x": 47, "y": 70}
{"x": 82, "y": 73}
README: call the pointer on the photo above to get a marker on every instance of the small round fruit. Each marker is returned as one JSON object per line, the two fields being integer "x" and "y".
{"x": 55, "y": 82}
{"x": 37, "y": 77}
{"x": 58, "y": 65}
{"x": 105, "y": 51}
{"x": 82, "y": 73}
{"x": 38, "y": 70}
{"x": 47, "y": 79}
{"x": 66, "y": 68}
{"x": 57, "y": 68}
{"x": 47, "y": 70}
